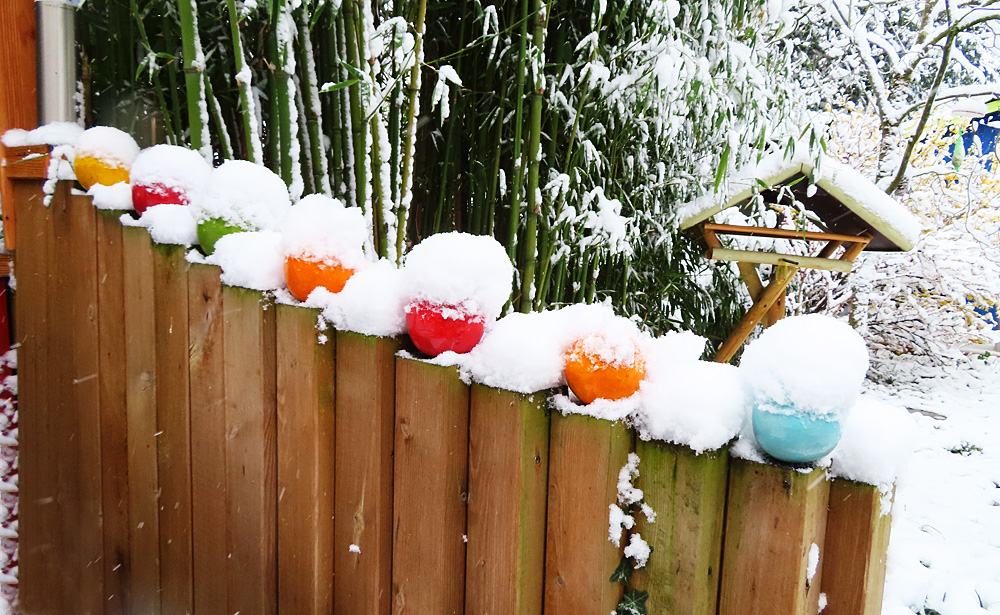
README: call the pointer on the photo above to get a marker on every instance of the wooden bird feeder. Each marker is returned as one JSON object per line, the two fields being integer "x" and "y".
{"x": 851, "y": 211}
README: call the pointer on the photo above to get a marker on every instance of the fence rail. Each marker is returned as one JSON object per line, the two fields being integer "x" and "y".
{"x": 191, "y": 447}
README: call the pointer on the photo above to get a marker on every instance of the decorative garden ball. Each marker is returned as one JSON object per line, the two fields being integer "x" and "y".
{"x": 322, "y": 243}
{"x": 238, "y": 196}
{"x": 167, "y": 174}
{"x": 436, "y": 328}
{"x": 103, "y": 155}
{"x": 804, "y": 374}
{"x": 599, "y": 368}
{"x": 457, "y": 284}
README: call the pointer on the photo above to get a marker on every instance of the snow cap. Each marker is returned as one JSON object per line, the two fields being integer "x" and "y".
{"x": 251, "y": 260}
{"x": 170, "y": 166}
{"x": 170, "y": 223}
{"x": 321, "y": 227}
{"x": 111, "y": 146}
{"x": 812, "y": 363}
{"x": 243, "y": 194}
{"x": 371, "y": 303}
{"x": 461, "y": 270}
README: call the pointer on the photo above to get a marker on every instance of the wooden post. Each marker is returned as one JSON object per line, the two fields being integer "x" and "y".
{"x": 776, "y": 519}
{"x": 688, "y": 494}
{"x": 173, "y": 427}
{"x": 208, "y": 439}
{"x": 18, "y": 108}
{"x": 430, "y": 488}
{"x": 767, "y": 298}
{"x": 251, "y": 463}
{"x": 305, "y": 377}
{"x": 857, "y": 536}
{"x": 777, "y": 311}
{"x": 586, "y": 456}
{"x": 365, "y": 416}
{"x": 114, "y": 417}
{"x": 39, "y": 547}
{"x": 508, "y": 481}
{"x": 140, "y": 400}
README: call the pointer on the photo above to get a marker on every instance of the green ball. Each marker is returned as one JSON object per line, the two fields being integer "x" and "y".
{"x": 212, "y": 230}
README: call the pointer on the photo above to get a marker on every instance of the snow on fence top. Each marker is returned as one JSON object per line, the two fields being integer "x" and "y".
{"x": 868, "y": 206}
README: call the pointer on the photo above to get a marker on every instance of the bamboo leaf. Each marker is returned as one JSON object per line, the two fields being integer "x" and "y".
{"x": 333, "y": 87}
{"x": 721, "y": 170}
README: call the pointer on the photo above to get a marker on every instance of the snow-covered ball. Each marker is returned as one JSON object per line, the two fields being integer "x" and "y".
{"x": 104, "y": 155}
{"x": 167, "y": 174}
{"x": 804, "y": 374}
{"x": 467, "y": 272}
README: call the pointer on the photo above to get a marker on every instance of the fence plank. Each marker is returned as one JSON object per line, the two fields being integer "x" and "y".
{"x": 430, "y": 483}
{"x": 251, "y": 464}
{"x": 80, "y": 267}
{"x": 366, "y": 397}
{"x": 857, "y": 536}
{"x": 775, "y": 516}
{"x": 140, "y": 400}
{"x": 114, "y": 418}
{"x": 208, "y": 438}
{"x": 688, "y": 493}
{"x": 305, "y": 377}
{"x": 586, "y": 455}
{"x": 508, "y": 482}
{"x": 173, "y": 425}
{"x": 39, "y": 544}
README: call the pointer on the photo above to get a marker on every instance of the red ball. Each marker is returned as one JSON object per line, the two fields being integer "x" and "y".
{"x": 144, "y": 197}
{"x": 436, "y": 328}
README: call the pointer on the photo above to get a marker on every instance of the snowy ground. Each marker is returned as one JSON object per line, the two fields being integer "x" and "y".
{"x": 944, "y": 551}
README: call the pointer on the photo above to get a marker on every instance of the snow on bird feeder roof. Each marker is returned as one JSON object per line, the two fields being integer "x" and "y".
{"x": 846, "y": 202}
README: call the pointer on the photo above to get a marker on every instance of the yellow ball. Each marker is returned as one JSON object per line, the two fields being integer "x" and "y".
{"x": 90, "y": 171}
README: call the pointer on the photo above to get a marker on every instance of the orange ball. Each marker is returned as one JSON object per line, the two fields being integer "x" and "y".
{"x": 593, "y": 371}
{"x": 304, "y": 275}
{"x": 90, "y": 171}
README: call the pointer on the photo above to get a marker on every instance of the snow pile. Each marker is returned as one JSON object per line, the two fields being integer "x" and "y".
{"x": 812, "y": 364}
{"x": 319, "y": 228}
{"x": 371, "y": 303}
{"x": 621, "y": 516}
{"x": 243, "y": 194}
{"x": 111, "y": 146}
{"x": 170, "y": 223}
{"x": 876, "y": 444}
{"x": 117, "y": 197}
{"x": 170, "y": 166}
{"x": 251, "y": 260}
{"x": 468, "y": 272}
{"x": 56, "y": 133}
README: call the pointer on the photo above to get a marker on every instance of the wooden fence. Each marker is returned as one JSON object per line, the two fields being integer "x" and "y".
{"x": 191, "y": 447}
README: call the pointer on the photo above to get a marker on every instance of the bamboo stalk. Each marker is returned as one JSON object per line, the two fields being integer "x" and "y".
{"x": 215, "y": 114}
{"x": 515, "y": 202}
{"x": 194, "y": 65}
{"x": 251, "y": 132}
{"x": 410, "y": 128}
{"x": 359, "y": 128}
{"x": 311, "y": 104}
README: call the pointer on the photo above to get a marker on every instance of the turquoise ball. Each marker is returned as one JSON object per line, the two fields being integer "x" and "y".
{"x": 797, "y": 437}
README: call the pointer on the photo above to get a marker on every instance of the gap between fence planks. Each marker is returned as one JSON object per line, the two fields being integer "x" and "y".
{"x": 365, "y": 425}
{"x": 688, "y": 493}
{"x": 586, "y": 456}
{"x": 775, "y": 515}
{"x": 305, "y": 406}
{"x": 430, "y": 490}
{"x": 508, "y": 481}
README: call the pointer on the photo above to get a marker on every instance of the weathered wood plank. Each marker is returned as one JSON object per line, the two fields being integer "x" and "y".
{"x": 114, "y": 418}
{"x": 140, "y": 400}
{"x": 430, "y": 486}
{"x": 365, "y": 416}
{"x": 775, "y": 515}
{"x": 688, "y": 494}
{"x": 173, "y": 427}
{"x": 857, "y": 536}
{"x": 508, "y": 483}
{"x": 208, "y": 438}
{"x": 39, "y": 536}
{"x": 586, "y": 455}
{"x": 251, "y": 462}
{"x": 85, "y": 532}
{"x": 305, "y": 377}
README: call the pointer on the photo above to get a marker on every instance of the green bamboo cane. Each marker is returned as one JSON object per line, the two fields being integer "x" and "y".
{"x": 251, "y": 133}
{"x": 311, "y": 105}
{"x": 409, "y": 128}
{"x": 359, "y": 127}
{"x": 194, "y": 64}
{"x": 534, "y": 142}
{"x": 305, "y": 164}
{"x": 515, "y": 203}
{"x": 169, "y": 41}
{"x": 215, "y": 114}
